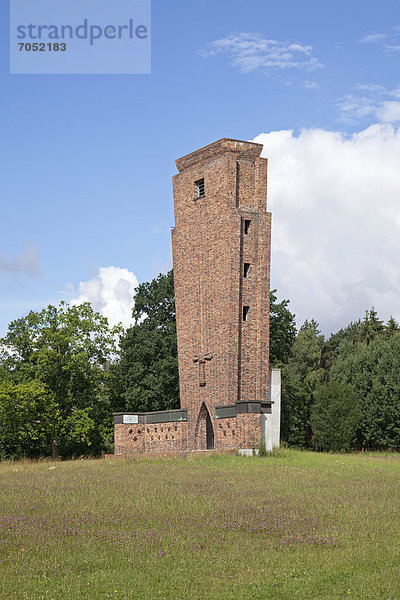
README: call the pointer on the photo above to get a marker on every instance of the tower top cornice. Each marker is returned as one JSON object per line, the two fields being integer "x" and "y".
{"x": 248, "y": 150}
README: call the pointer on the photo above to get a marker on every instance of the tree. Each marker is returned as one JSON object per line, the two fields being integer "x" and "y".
{"x": 373, "y": 370}
{"x": 371, "y": 326}
{"x": 295, "y": 427}
{"x": 299, "y": 379}
{"x": 305, "y": 363}
{"x": 331, "y": 349}
{"x": 282, "y": 331}
{"x": 66, "y": 349}
{"x": 391, "y": 327}
{"x": 146, "y": 377}
{"x": 28, "y": 417}
{"x": 335, "y": 417}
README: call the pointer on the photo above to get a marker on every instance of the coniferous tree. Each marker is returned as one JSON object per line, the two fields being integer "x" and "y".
{"x": 300, "y": 377}
{"x": 371, "y": 326}
{"x": 331, "y": 349}
{"x": 391, "y": 327}
{"x": 373, "y": 370}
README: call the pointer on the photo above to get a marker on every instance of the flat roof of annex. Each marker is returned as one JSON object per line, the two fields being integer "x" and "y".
{"x": 250, "y": 150}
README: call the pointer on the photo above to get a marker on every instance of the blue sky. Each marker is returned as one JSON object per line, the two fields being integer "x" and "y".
{"x": 86, "y": 160}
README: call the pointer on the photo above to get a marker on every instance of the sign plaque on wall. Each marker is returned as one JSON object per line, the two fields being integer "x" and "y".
{"x": 130, "y": 419}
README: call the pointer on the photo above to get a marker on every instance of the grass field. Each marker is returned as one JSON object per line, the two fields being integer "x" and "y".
{"x": 293, "y": 526}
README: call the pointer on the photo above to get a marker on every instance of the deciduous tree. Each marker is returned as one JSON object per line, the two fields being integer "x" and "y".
{"x": 146, "y": 377}
{"x": 67, "y": 349}
{"x": 282, "y": 331}
{"x": 29, "y": 419}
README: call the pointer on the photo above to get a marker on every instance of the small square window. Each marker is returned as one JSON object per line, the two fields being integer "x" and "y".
{"x": 199, "y": 188}
{"x": 246, "y": 267}
{"x": 246, "y": 313}
{"x": 247, "y": 225}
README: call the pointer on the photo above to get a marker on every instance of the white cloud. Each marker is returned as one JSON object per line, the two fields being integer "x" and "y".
{"x": 311, "y": 85}
{"x": 370, "y": 87}
{"x": 389, "y": 111}
{"x": 373, "y": 38}
{"x": 110, "y": 293}
{"x": 254, "y": 52}
{"x": 389, "y": 40}
{"x": 370, "y": 101}
{"x": 26, "y": 262}
{"x": 336, "y": 222}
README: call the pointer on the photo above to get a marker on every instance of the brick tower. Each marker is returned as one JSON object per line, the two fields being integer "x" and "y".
{"x": 221, "y": 253}
{"x": 221, "y": 256}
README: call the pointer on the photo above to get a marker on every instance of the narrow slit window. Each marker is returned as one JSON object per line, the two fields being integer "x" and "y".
{"x": 246, "y": 313}
{"x": 246, "y": 267}
{"x": 200, "y": 191}
{"x": 247, "y": 225}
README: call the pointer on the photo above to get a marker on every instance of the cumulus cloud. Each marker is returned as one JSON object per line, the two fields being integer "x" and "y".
{"x": 254, "y": 52}
{"x": 26, "y": 262}
{"x": 336, "y": 222}
{"x": 389, "y": 111}
{"x": 111, "y": 294}
{"x": 370, "y": 101}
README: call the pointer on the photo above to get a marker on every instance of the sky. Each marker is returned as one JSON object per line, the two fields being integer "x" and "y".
{"x": 86, "y": 161}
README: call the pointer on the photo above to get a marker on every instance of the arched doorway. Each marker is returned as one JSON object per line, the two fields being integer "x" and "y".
{"x": 204, "y": 433}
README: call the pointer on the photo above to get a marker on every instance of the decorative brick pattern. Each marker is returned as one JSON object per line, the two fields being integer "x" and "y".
{"x": 223, "y": 359}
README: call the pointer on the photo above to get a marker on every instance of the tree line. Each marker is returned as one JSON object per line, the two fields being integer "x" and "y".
{"x": 343, "y": 393}
{"x": 64, "y": 371}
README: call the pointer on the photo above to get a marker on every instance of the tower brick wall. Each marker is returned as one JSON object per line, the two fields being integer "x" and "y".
{"x": 221, "y": 257}
{"x": 223, "y": 359}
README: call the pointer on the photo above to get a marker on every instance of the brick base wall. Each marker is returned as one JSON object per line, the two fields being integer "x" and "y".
{"x": 249, "y": 426}
{"x": 242, "y": 431}
{"x": 141, "y": 437}
{"x": 226, "y": 433}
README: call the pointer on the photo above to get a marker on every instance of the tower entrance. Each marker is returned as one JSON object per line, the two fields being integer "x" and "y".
{"x": 204, "y": 432}
{"x": 209, "y": 433}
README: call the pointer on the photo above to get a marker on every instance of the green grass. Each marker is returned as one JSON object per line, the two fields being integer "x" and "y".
{"x": 295, "y": 525}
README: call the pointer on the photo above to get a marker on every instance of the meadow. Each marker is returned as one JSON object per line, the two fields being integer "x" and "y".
{"x": 294, "y": 525}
